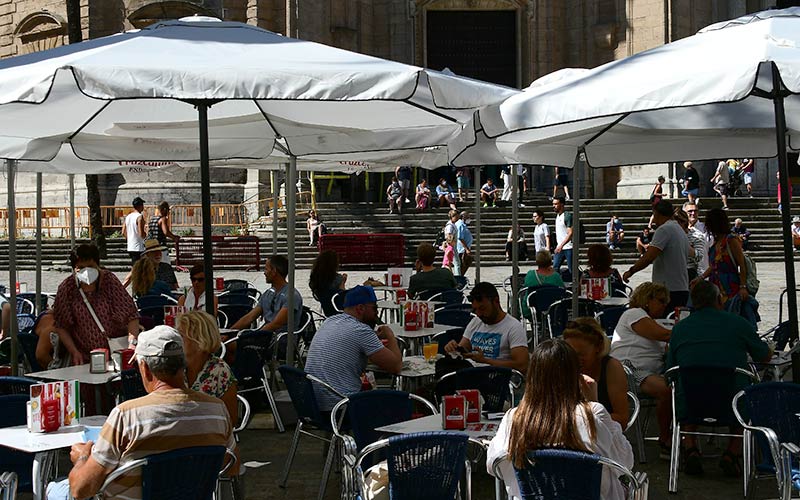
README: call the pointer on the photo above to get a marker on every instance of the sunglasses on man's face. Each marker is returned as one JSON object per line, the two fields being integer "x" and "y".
{"x": 198, "y": 279}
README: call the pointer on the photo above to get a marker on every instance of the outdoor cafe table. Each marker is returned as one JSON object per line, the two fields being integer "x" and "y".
{"x": 414, "y": 335}
{"x": 395, "y": 307}
{"x": 43, "y": 444}
{"x": 613, "y": 301}
{"x": 81, "y": 374}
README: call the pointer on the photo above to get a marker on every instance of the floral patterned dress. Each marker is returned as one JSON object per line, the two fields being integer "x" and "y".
{"x": 215, "y": 378}
{"x": 724, "y": 269}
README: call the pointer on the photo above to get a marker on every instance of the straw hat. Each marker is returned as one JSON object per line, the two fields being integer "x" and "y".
{"x": 153, "y": 246}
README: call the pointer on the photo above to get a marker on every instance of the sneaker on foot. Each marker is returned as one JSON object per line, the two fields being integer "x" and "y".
{"x": 408, "y": 201}
{"x": 725, "y": 207}
{"x": 485, "y": 205}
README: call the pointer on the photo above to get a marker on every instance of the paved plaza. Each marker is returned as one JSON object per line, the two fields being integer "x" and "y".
{"x": 263, "y": 444}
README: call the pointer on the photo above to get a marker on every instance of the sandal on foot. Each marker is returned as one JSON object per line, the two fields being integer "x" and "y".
{"x": 731, "y": 464}
{"x": 693, "y": 462}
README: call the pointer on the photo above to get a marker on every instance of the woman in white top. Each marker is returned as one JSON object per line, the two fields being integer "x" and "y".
{"x": 541, "y": 233}
{"x": 558, "y": 410}
{"x": 195, "y": 297}
{"x": 639, "y": 342}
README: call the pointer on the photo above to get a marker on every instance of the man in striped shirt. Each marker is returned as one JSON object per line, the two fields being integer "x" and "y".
{"x": 170, "y": 417}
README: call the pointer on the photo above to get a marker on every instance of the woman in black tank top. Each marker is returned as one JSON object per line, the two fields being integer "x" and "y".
{"x": 592, "y": 345}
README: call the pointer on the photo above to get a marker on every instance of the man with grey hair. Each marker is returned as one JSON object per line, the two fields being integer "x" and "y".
{"x": 713, "y": 336}
{"x": 169, "y": 417}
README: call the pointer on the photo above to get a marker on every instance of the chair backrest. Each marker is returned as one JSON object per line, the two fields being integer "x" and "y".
{"x": 25, "y": 322}
{"x": 27, "y": 343}
{"x": 25, "y": 306}
{"x": 152, "y": 306}
{"x": 14, "y": 413}
{"x": 423, "y": 466}
{"x": 235, "y": 312}
{"x": 775, "y": 405}
{"x": 131, "y": 382}
{"x": 492, "y": 382}
{"x": 444, "y": 338}
{"x": 370, "y": 409}
{"x": 461, "y": 282}
{"x": 31, "y": 297}
{"x": 540, "y": 298}
{"x": 304, "y": 400}
{"x": 451, "y": 296}
{"x": 706, "y": 393}
{"x": 236, "y": 297}
{"x": 16, "y": 385}
{"x": 427, "y": 294}
{"x": 560, "y": 312}
{"x": 235, "y": 285}
{"x": 453, "y": 317}
{"x": 609, "y": 317}
{"x": 464, "y": 306}
{"x": 253, "y": 351}
{"x": 182, "y": 474}
{"x": 551, "y": 474}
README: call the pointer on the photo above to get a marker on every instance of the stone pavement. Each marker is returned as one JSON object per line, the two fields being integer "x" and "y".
{"x": 264, "y": 444}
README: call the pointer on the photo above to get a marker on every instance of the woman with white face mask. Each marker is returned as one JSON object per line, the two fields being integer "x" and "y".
{"x": 92, "y": 306}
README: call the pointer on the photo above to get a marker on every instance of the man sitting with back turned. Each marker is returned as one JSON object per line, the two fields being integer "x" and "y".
{"x": 713, "y": 336}
{"x": 429, "y": 277}
{"x": 341, "y": 347}
{"x": 492, "y": 337}
{"x": 170, "y": 417}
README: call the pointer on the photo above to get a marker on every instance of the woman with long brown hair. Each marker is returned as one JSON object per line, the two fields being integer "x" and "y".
{"x": 558, "y": 410}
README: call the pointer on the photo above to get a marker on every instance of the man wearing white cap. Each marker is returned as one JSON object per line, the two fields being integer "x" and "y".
{"x": 170, "y": 417}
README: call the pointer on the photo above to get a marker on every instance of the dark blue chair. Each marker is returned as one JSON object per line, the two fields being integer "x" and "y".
{"x": 182, "y": 474}
{"x": 453, "y": 317}
{"x": 25, "y": 306}
{"x": 422, "y": 466}
{"x": 448, "y": 297}
{"x": 152, "y": 307}
{"x": 461, "y": 282}
{"x": 539, "y": 300}
{"x": 16, "y": 385}
{"x": 365, "y": 411}
{"x": 427, "y": 294}
{"x": 768, "y": 412}
{"x": 131, "y": 384}
{"x": 556, "y": 474}
{"x": 309, "y": 416}
{"x": 706, "y": 394}
{"x": 608, "y": 318}
{"x": 31, "y": 296}
{"x": 14, "y": 413}
{"x": 464, "y": 306}
{"x": 254, "y": 354}
{"x": 560, "y": 313}
{"x": 496, "y": 384}
{"x": 234, "y": 312}
{"x": 27, "y": 343}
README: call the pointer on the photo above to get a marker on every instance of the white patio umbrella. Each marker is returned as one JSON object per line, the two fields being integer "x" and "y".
{"x": 212, "y": 90}
{"x": 730, "y": 90}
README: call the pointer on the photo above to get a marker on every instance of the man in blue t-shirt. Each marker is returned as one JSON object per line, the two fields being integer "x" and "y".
{"x": 492, "y": 337}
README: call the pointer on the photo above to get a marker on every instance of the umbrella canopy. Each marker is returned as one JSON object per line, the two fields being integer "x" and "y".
{"x": 729, "y": 91}
{"x": 200, "y": 89}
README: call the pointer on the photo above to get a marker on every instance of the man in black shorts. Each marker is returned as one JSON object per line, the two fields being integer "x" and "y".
{"x": 561, "y": 180}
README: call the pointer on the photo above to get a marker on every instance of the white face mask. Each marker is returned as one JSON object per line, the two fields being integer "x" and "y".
{"x": 467, "y": 221}
{"x": 87, "y": 275}
{"x": 616, "y": 221}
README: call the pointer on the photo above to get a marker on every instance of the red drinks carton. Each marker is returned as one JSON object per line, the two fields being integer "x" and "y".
{"x": 410, "y": 323}
{"x": 474, "y": 404}
{"x": 220, "y": 283}
{"x": 454, "y": 412}
{"x": 53, "y": 405}
{"x": 125, "y": 356}
{"x": 395, "y": 280}
{"x": 401, "y": 295}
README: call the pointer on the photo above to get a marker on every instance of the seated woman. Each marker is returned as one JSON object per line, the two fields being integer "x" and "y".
{"x": 558, "y": 411}
{"x": 315, "y": 227}
{"x": 423, "y": 197}
{"x": 325, "y": 280}
{"x": 639, "y": 342}
{"x": 600, "y": 260}
{"x": 195, "y": 297}
{"x": 205, "y": 372}
{"x": 144, "y": 282}
{"x": 592, "y": 345}
{"x": 543, "y": 275}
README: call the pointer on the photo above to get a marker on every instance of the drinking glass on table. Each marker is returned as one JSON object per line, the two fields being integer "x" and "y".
{"x": 430, "y": 351}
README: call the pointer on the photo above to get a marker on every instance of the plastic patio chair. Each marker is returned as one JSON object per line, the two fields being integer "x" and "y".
{"x": 304, "y": 400}
{"x": 427, "y": 294}
{"x": 555, "y": 474}
{"x": 539, "y": 300}
{"x": 608, "y": 318}
{"x": 27, "y": 341}
{"x": 15, "y": 413}
{"x": 453, "y": 317}
{"x": 254, "y": 354}
{"x": 448, "y": 297}
{"x": 560, "y": 312}
{"x": 25, "y": 306}
{"x": 241, "y": 424}
{"x": 462, "y": 282}
{"x": 182, "y": 474}
{"x": 9, "y": 482}
{"x": 707, "y": 393}
{"x": 16, "y": 385}
{"x": 422, "y": 466}
{"x": 496, "y": 384}
{"x": 638, "y": 426}
{"x": 366, "y": 411}
{"x": 234, "y": 312}
{"x": 152, "y": 306}
{"x": 768, "y": 412}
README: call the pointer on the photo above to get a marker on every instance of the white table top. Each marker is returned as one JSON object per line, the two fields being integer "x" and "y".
{"x": 20, "y": 439}
{"x": 388, "y": 288}
{"x": 614, "y": 301}
{"x": 391, "y": 304}
{"x": 398, "y": 330}
{"x": 666, "y": 323}
{"x": 485, "y": 430}
{"x": 79, "y": 373}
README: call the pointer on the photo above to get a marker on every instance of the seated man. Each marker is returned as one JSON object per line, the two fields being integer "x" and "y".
{"x": 170, "y": 417}
{"x": 614, "y": 233}
{"x": 742, "y": 233}
{"x": 795, "y": 232}
{"x": 489, "y": 193}
{"x": 427, "y": 276}
{"x": 643, "y": 240}
{"x": 445, "y": 194}
{"x": 341, "y": 347}
{"x": 273, "y": 306}
{"x": 492, "y": 337}
{"x": 712, "y": 336}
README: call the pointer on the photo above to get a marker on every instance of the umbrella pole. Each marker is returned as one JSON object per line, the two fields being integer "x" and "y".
{"x": 778, "y": 93}
{"x": 11, "y": 166}
{"x": 576, "y": 230}
{"x": 477, "y": 242}
{"x": 38, "y": 307}
{"x": 275, "y": 197}
{"x": 291, "y": 201}
{"x": 72, "y": 210}
{"x": 205, "y": 201}
{"x": 514, "y": 245}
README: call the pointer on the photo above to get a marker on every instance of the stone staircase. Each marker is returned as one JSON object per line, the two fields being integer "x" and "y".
{"x": 759, "y": 214}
